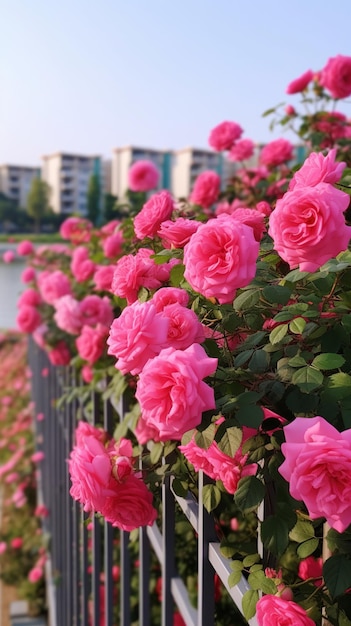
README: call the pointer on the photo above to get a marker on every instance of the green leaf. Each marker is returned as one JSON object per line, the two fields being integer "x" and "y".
{"x": 297, "y": 361}
{"x": 250, "y": 415}
{"x": 278, "y": 333}
{"x": 230, "y": 441}
{"x": 340, "y": 542}
{"x": 237, "y": 566}
{"x": 250, "y": 492}
{"x": 328, "y": 361}
{"x": 302, "y": 531}
{"x": 297, "y": 325}
{"x": 295, "y": 276}
{"x": 277, "y": 294}
{"x": 156, "y": 452}
{"x": 307, "y": 378}
{"x": 249, "y": 601}
{"x": 337, "y": 574}
{"x": 246, "y": 300}
{"x": 234, "y": 578}
{"x": 275, "y": 529}
{"x": 339, "y": 386}
{"x": 307, "y": 548}
{"x": 205, "y": 437}
{"x": 259, "y": 361}
{"x": 211, "y": 496}
{"x": 177, "y": 275}
{"x": 257, "y": 580}
{"x": 251, "y": 559}
{"x": 242, "y": 358}
{"x": 180, "y": 487}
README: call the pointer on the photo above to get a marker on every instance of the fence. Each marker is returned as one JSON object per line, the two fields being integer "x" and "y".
{"x": 81, "y": 556}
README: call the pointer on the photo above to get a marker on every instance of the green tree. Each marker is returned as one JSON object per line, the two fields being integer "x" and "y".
{"x": 38, "y": 201}
{"x": 110, "y": 207}
{"x": 93, "y": 199}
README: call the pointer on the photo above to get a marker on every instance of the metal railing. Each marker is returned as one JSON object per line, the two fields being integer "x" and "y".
{"x": 81, "y": 547}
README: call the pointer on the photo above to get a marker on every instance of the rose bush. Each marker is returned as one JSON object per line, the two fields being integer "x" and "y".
{"x": 229, "y": 333}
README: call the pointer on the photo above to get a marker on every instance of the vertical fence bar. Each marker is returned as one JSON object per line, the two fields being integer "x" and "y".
{"x": 144, "y": 578}
{"x": 125, "y": 579}
{"x": 206, "y": 590}
{"x": 96, "y": 541}
{"x": 108, "y": 535}
{"x": 168, "y": 521}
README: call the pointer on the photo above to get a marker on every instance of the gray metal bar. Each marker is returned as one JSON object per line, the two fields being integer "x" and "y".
{"x": 167, "y": 563}
{"x": 144, "y": 578}
{"x": 206, "y": 589}
{"x": 125, "y": 580}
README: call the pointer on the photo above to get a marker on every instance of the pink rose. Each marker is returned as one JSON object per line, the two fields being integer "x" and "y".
{"x": 308, "y": 226}
{"x": 81, "y": 266}
{"x": 318, "y": 169}
{"x": 76, "y": 229}
{"x": 177, "y": 234}
{"x": 25, "y": 247}
{"x": 155, "y": 211}
{"x": 135, "y": 271}
{"x": 275, "y": 611}
{"x": 28, "y": 275}
{"x": 223, "y": 136}
{"x": 17, "y": 543}
{"x": 317, "y": 466}
{"x": 28, "y": 319}
{"x": 112, "y": 246}
{"x": 171, "y": 392}
{"x": 87, "y": 374}
{"x": 336, "y": 76}
{"x": 170, "y": 295}
{"x": 30, "y": 296}
{"x": 300, "y": 84}
{"x": 143, "y": 176}
{"x": 184, "y": 326}
{"x": 333, "y": 125}
{"x": 103, "y": 277}
{"x": 136, "y": 336}
{"x": 53, "y": 285}
{"x": 95, "y": 310}
{"x": 220, "y": 258}
{"x": 311, "y": 568}
{"x": 91, "y": 342}
{"x": 3, "y": 547}
{"x": 289, "y": 110}
{"x": 8, "y": 256}
{"x": 130, "y": 506}
{"x": 264, "y": 208}
{"x": 206, "y": 189}
{"x": 60, "y": 354}
{"x": 68, "y": 315}
{"x": 252, "y": 218}
{"x": 35, "y": 574}
{"x": 242, "y": 150}
{"x": 276, "y": 152}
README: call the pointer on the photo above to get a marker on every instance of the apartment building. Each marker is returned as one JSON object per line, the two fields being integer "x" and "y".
{"x": 68, "y": 177}
{"x": 124, "y": 157}
{"x": 15, "y": 182}
{"x": 188, "y": 163}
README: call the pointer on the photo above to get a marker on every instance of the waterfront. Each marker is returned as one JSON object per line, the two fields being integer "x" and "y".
{"x": 10, "y": 288}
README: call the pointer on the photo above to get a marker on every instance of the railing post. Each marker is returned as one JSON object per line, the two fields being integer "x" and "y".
{"x": 168, "y": 522}
{"x": 206, "y": 589}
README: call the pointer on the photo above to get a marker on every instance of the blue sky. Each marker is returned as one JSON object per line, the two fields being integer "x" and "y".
{"x": 87, "y": 76}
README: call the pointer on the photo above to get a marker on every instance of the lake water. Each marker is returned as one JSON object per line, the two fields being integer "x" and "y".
{"x": 10, "y": 288}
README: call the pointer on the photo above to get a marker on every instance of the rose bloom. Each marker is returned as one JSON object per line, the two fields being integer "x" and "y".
{"x": 184, "y": 326}
{"x": 91, "y": 342}
{"x": 177, "y": 234}
{"x": 242, "y": 149}
{"x": 171, "y": 392}
{"x": 8, "y": 256}
{"x": 95, "y": 310}
{"x": 3, "y": 547}
{"x": 16, "y": 543}
{"x": 276, "y": 152}
{"x": 300, "y": 83}
{"x": 170, "y": 295}
{"x": 318, "y": 168}
{"x": 60, "y": 354}
{"x": 81, "y": 266}
{"x": 251, "y": 218}
{"x": 317, "y": 467}
{"x": 311, "y": 568}
{"x": 336, "y": 76}
{"x": 130, "y": 506}
{"x": 110, "y": 227}
{"x": 112, "y": 246}
{"x": 275, "y": 611}
{"x": 76, "y": 229}
{"x": 224, "y": 135}
{"x": 25, "y": 247}
{"x": 53, "y": 285}
{"x": 135, "y": 271}
{"x": 28, "y": 275}
{"x": 35, "y": 574}
{"x": 220, "y": 258}
{"x": 264, "y": 208}
{"x": 68, "y": 315}
{"x": 103, "y": 277}
{"x": 87, "y": 374}
{"x": 29, "y": 296}
{"x": 289, "y": 110}
{"x": 206, "y": 189}
{"x": 155, "y": 211}
{"x": 308, "y": 226}
{"x": 143, "y": 176}
{"x": 333, "y": 125}
{"x": 136, "y": 336}
{"x": 28, "y": 319}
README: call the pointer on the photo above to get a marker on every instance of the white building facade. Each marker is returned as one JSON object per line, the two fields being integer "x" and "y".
{"x": 16, "y": 181}
{"x": 68, "y": 177}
